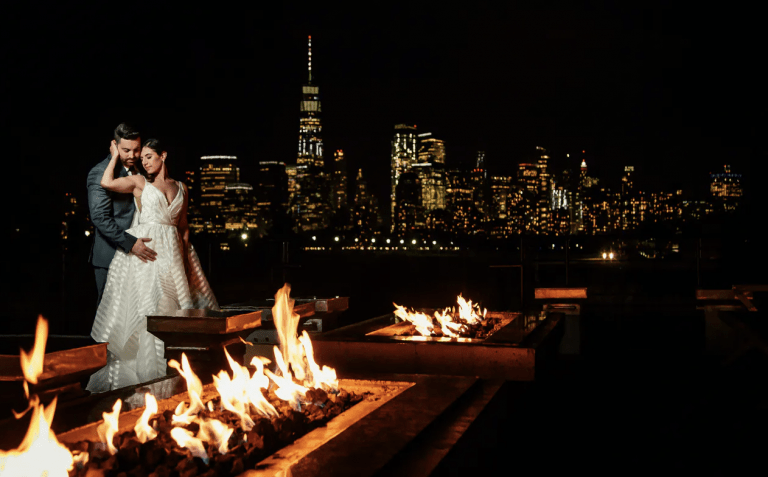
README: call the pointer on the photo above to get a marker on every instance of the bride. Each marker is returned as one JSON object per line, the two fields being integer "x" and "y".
{"x": 134, "y": 288}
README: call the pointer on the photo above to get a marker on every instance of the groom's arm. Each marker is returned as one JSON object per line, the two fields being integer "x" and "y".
{"x": 102, "y": 216}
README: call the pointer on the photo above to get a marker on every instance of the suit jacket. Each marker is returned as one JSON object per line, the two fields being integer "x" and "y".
{"x": 111, "y": 214}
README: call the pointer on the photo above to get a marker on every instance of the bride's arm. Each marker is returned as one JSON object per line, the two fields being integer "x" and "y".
{"x": 184, "y": 231}
{"x": 118, "y": 184}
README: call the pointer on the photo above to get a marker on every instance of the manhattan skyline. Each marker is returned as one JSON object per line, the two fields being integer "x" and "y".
{"x": 631, "y": 87}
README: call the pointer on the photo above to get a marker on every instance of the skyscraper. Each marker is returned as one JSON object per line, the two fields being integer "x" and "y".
{"x": 431, "y": 149}
{"x": 215, "y": 173}
{"x": 528, "y": 183}
{"x": 272, "y": 190}
{"x": 403, "y": 157}
{"x": 365, "y": 208}
{"x": 726, "y": 189}
{"x": 430, "y": 167}
{"x": 310, "y": 198}
{"x": 480, "y": 185}
{"x": 409, "y": 214}
{"x": 310, "y": 129}
{"x": 339, "y": 180}
{"x": 543, "y": 195}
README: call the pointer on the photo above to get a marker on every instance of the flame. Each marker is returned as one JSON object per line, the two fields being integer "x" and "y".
{"x": 295, "y": 357}
{"x": 182, "y": 415}
{"x": 447, "y": 319}
{"x": 447, "y": 326}
{"x": 216, "y": 432}
{"x": 321, "y": 378}
{"x": 108, "y": 428}
{"x": 286, "y": 390}
{"x": 287, "y": 324}
{"x": 32, "y": 363}
{"x": 422, "y": 322}
{"x": 39, "y": 453}
{"x": 184, "y": 438}
{"x": 467, "y": 311}
{"x": 145, "y": 432}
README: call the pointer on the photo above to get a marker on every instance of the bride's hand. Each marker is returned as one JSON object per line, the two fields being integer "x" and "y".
{"x": 113, "y": 148}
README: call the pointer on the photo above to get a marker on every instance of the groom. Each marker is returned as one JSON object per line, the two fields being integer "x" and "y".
{"x": 112, "y": 213}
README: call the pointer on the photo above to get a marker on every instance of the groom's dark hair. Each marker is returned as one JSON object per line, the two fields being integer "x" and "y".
{"x": 125, "y": 131}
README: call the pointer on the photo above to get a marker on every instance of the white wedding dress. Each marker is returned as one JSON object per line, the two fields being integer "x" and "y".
{"x": 135, "y": 289}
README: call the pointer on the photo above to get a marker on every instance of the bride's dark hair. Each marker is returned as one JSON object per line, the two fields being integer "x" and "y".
{"x": 159, "y": 148}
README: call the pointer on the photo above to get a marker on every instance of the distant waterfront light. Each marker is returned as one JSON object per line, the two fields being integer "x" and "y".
{"x": 314, "y": 238}
{"x": 402, "y": 241}
{"x": 355, "y": 239}
{"x": 605, "y": 255}
{"x": 413, "y": 241}
{"x": 87, "y": 232}
{"x": 373, "y": 240}
{"x": 610, "y": 255}
{"x": 387, "y": 240}
{"x": 244, "y": 236}
{"x": 335, "y": 239}
{"x": 434, "y": 242}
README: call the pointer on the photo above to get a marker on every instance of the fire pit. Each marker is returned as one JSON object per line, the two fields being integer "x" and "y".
{"x": 62, "y": 372}
{"x": 385, "y": 344}
{"x": 357, "y": 426}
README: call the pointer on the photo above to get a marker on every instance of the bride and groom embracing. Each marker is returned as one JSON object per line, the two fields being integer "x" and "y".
{"x": 142, "y": 258}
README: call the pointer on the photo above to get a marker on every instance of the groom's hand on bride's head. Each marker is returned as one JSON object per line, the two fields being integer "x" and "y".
{"x": 142, "y": 251}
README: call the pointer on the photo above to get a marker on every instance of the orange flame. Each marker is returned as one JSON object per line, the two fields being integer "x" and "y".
{"x": 39, "y": 453}
{"x": 446, "y": 319}
{"x": 145, "y": 432}
{"x": 287, "y": 324}
{"x": 182, "y": 415}
{"x": 295, "y": 357}
{"x": 243, "y": 390}
{"x": 422, "y": 322}
{"x": 32, "y": 363}
{"x": 184, "y": 438}
{"x": 108, "y": 428}
{"x": 216, "y": 432}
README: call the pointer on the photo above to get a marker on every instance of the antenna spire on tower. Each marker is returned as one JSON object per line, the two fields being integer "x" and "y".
{"x": 310, "y": 58}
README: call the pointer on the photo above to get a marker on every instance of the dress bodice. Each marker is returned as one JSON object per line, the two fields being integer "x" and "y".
{"x": 155, "y": 208}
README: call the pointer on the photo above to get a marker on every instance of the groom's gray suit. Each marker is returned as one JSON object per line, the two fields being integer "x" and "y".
{"x": 111, "y": 214}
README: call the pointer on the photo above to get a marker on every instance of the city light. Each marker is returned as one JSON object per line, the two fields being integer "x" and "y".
{"x": 434, "y": 242}
{"x": 605, "y": 255}
{"x": 610, "y": 255}
{"x": 314, "y": 238}
{"x": 244, "y": 236}
{"x": 402, "y": 241}
{"x": 87, "y": 232}
{"x": 413, "y": 241}
{"x": 387, "y": 240}
{"x": 335, "y": 239}
{"x": 373, "y": 240}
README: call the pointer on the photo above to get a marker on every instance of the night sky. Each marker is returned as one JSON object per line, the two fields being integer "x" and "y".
{"x": 670, "y": 90}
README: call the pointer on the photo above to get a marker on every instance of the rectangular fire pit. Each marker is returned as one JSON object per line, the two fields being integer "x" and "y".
{"x": 203, "y": 335}
{"x": 511, "y": 353}
{"x": 395, "y": 425}
{"x": 62, "y": 372}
